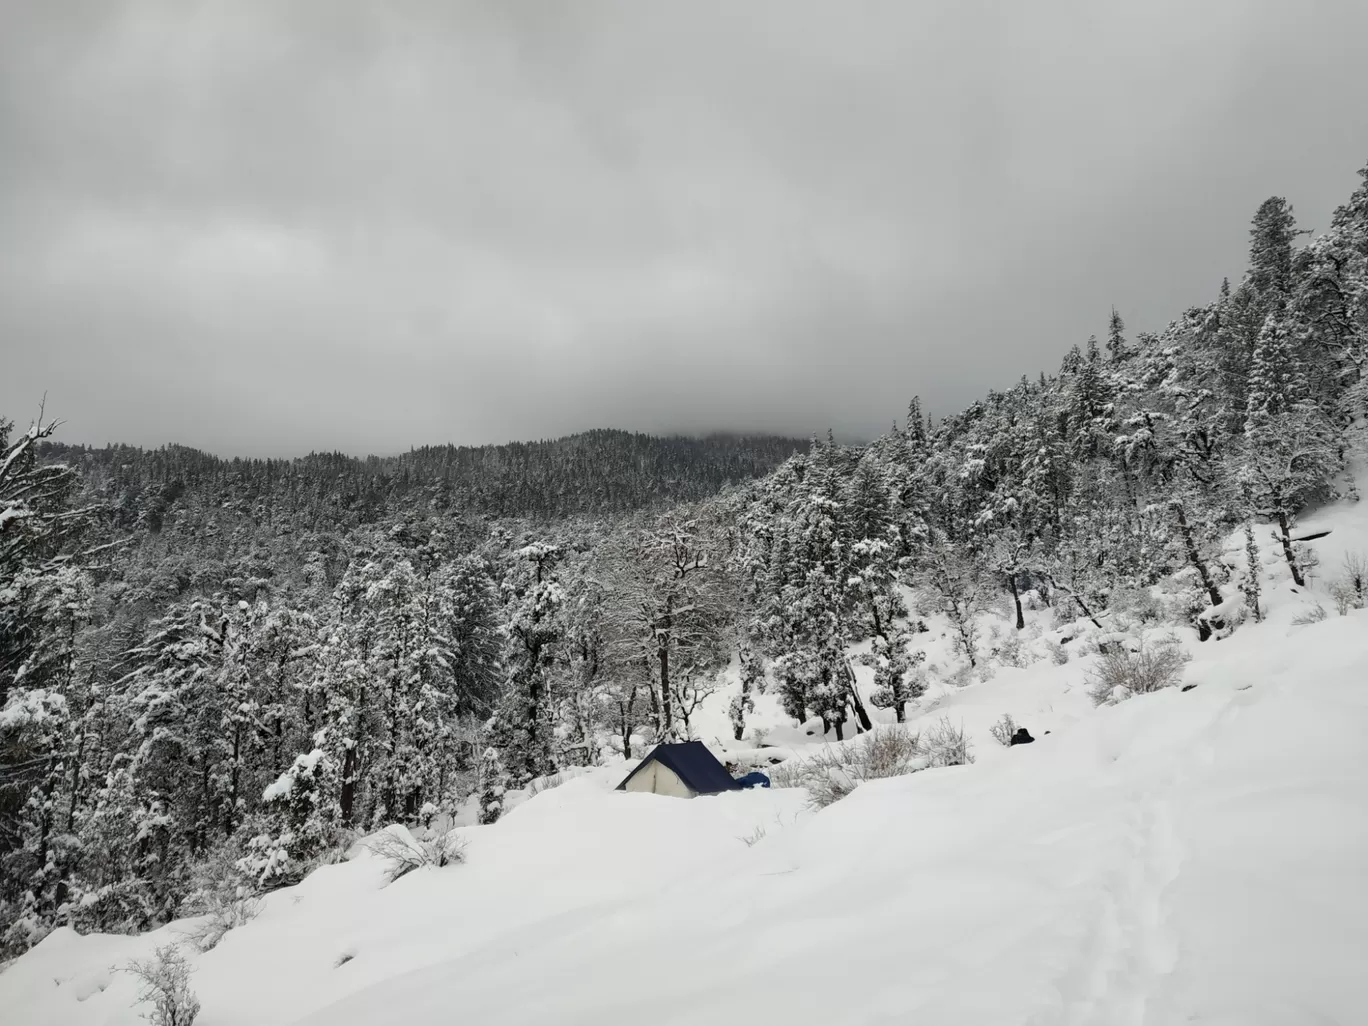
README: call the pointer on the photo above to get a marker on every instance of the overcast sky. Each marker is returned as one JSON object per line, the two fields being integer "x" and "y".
{"x": 266, "y": 228}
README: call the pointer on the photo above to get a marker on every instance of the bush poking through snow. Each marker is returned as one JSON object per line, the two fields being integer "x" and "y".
{"x": 945, "y": 745}
{"x": 834, "y": 772}
{"x": 221, "y": 912}
{"x": 1313, "y": 614}
{"x": 753, "y": 838}
{"x": 961, "y": 677}
{"x": 124, "y": 907}
{"x": 1003, "y": 730}
{"x": 889, "y": 752}
{"x": 1350, "y": 590}
{"x": 1011, "y": 649}
{"x": 554, "y": 780}
{"x": 1119, "y": 674}
{"x": 405, "y": 853}
{"x": 165, "y": 980}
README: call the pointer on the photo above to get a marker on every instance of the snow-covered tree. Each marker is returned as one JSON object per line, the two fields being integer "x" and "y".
{"x": 299, "y": 816}
{"x": 669, "y": 602}
{"x": 1288, "y": 460}
{"x": 493, "y": 784}
{"x": 953, "y": 578}
{"x": 521, "y": 728}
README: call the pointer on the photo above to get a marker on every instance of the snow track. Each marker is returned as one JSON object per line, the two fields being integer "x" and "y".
{"x": 1129, "y": 946}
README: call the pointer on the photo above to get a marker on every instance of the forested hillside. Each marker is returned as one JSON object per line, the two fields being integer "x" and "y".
{"x": 214, "y": 673}
{"x": 597, "y": 472}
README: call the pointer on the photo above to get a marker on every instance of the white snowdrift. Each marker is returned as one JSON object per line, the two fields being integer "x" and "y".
{"x": 1186, "y": 857}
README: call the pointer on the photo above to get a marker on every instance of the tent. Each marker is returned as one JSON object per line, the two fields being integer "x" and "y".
{"x": 684, "y": 770}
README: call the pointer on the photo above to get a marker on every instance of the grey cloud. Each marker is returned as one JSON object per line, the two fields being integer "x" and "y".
{"x": 263, "y": 227}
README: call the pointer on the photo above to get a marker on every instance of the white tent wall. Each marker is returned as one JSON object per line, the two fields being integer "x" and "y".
{"x": 656, "y": 778}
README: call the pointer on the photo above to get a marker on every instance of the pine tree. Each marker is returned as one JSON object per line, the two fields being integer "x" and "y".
{"x": 300, "y": 815}
{"x": 1270, "y": 251}
{"x": 1285, "y": 463}
{"x": 181, "y": 758}
{"x": 895, "y": 679}
{"x": 1090, "y": 406}
{"x": 1116, "y": 339}
{"x": 1277, "y": 376}
{"x": 521, "y": 728}
{"x": 493, "y": 786}
{"x": 1250, "y": 585}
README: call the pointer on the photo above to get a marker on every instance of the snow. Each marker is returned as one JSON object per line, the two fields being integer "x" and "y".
{"x": 304, "y": 765}
{"x": 1182, "y": 857}
{"x": 32, "y": 708}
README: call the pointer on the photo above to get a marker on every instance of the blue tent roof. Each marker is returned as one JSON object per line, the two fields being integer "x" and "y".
{"x": 693, "y": 764}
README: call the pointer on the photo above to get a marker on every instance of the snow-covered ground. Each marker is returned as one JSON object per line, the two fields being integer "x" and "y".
{"x": 1194, "y": 856}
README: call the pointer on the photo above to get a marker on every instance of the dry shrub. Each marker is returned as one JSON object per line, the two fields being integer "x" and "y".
{"x": 884, "y": 752}
{"x": 554, "y": 780}
{"x": 1312, "y": 614}
{"x": 222, "y": 912}
{"x": 888, "y": 752}
{"x": 946, "y": 745}
{"x": 404, "y": 852}
{"x": 835, "y": 771}
{"x": 962, "y": 677}
{"x": 1119, "y": 674}
{"x": 755, "y": 836}
{"x": 1355, "y": 568}
{"x": 1003, "y": 730}
{"x": 165, "y": 985}
{"x": 1136, "y": 603}
{"x": 788, "y": 773}
{"x": 1013, "y": 648}
{"x": 1350, "y": 590}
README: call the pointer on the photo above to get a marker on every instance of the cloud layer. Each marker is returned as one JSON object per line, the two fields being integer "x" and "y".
{"x": 268, "y": 228}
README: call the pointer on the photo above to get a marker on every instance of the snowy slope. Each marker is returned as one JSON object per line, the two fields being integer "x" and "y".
{"x": 1191, "y": 856}
{"x": 1188, "y": 857}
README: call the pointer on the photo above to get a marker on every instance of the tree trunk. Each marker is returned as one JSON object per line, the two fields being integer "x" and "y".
{"x": 45, "y": 825}
{"x": 1016, "y": 599}
{"x": 351, "y": 764}
{"x": 626, "y": 725}
{"x": 666, "y": 710}
{"x": 235, "y": 778}
{"x": 964, "y": 626}
{"x": 1285, "y": 536}
{"x": 207, "y": 814}
{"x": 347, "y": 800}
{"x": 1079, "y": 599}
{"x": 655, "y": 698}
{"x": 861, "y": 714}
{"x": 684, "y": 717}
{"x": 391, "y": 797}
{"x": 76, "y": 765}
{"x": 1195, "y": 557}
